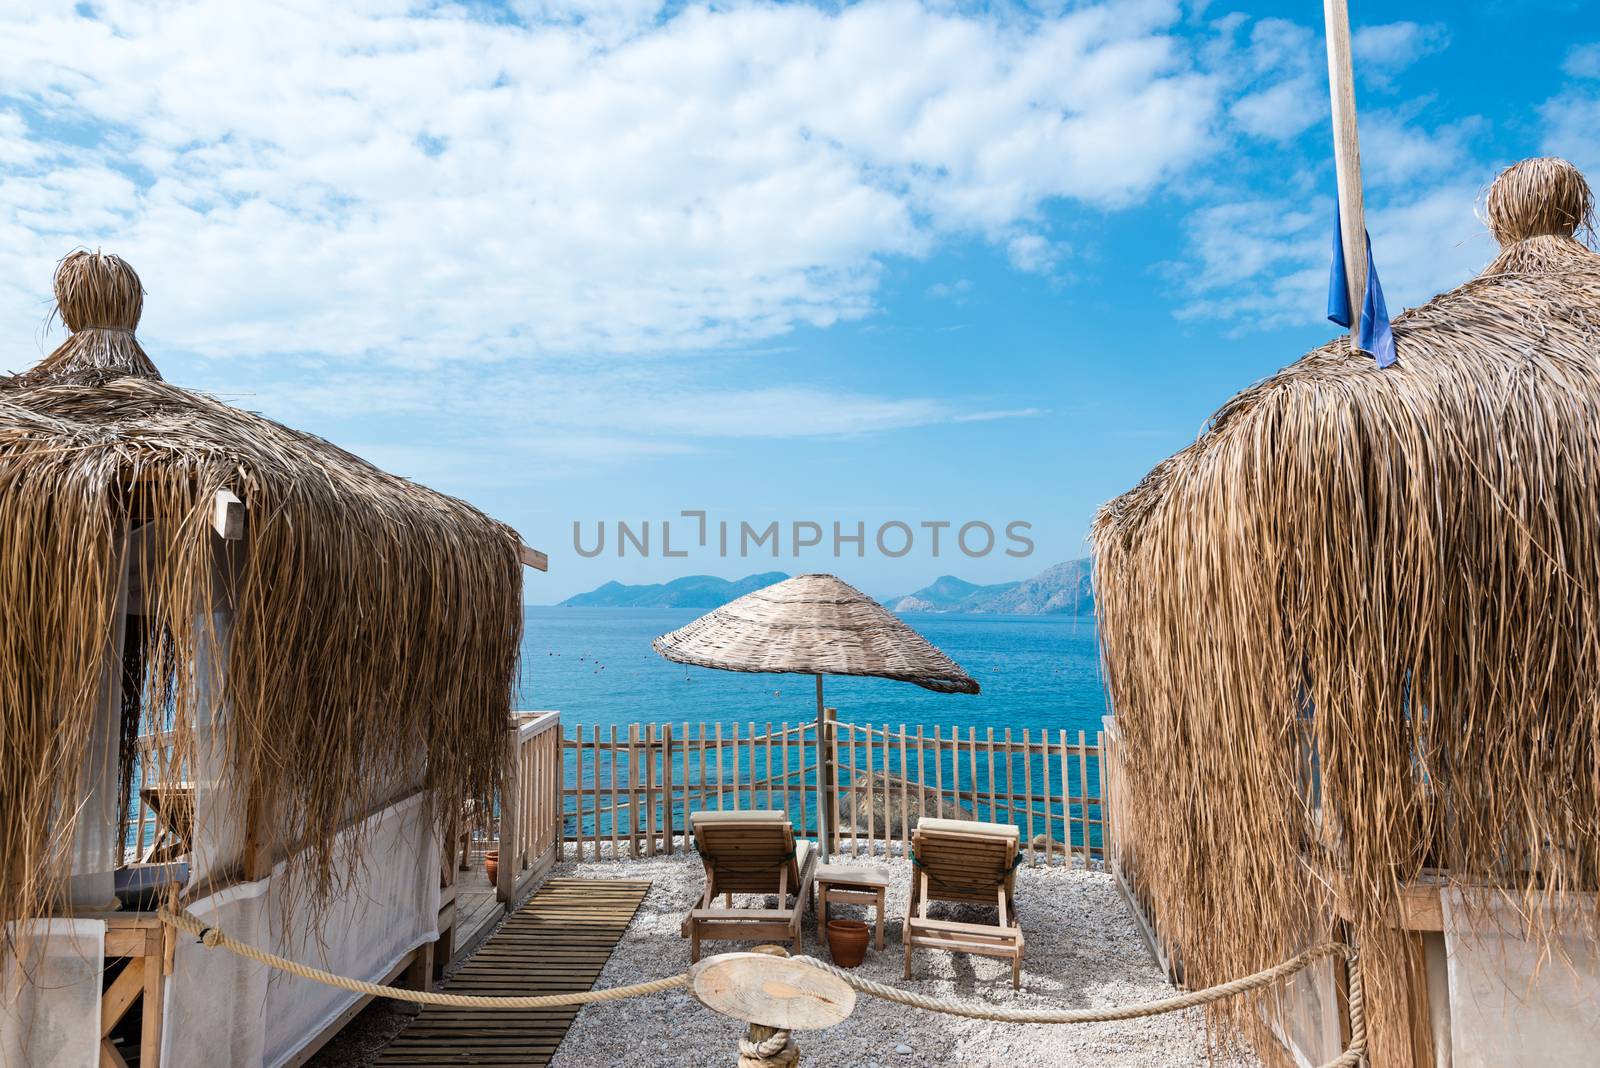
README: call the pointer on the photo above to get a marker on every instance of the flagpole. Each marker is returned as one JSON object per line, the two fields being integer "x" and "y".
{"x": 1347, "y": 156}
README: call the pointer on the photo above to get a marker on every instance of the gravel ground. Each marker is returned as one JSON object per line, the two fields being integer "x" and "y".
{"x": 1082, "y": 951}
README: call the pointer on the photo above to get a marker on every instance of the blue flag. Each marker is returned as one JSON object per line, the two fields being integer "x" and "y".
{"x": 1374, "y": 337}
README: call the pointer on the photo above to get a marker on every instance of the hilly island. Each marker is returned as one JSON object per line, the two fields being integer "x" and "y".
{"x": 1062, "y": 589}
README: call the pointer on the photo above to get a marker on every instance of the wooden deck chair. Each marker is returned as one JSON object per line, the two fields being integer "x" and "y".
{"x": 749, "y": 852}
{"x": 959, "y": 860}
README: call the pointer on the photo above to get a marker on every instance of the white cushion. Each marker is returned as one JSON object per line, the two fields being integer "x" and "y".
{"x": 802, "y": 850}
{"x": 998, "y": 830}
{"x": 742, "y": 815}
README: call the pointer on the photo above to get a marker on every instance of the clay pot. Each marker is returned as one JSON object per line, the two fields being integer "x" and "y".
{"x": 847, "y": 942}
{"x": 491, "y": 865}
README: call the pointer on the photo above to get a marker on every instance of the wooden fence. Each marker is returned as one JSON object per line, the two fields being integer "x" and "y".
{"x": 626, "y": 791}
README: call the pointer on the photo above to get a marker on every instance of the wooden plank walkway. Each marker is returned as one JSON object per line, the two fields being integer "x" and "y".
{"x": 555, "y": 943}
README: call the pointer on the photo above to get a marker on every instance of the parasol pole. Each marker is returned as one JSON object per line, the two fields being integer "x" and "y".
{"x": 1347, "y": 156}
{"x": 822, "y": 774}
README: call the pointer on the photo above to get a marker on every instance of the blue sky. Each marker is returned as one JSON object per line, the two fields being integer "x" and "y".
{"x": 595, "y": 261}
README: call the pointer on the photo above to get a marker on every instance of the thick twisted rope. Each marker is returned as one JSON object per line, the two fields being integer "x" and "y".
{"x": 1351, "y": 1058}
{"x": 212, "y": 937}
{"x": 777, "y": 1050}
{"x": 1353, "y": 1055}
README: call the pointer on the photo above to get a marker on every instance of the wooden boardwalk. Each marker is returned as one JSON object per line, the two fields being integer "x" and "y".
{"x": 555, "y": 943}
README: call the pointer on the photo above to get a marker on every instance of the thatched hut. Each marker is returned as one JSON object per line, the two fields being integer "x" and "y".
{"x": 302, "y": 664}
{"x": 1352, "y": 644}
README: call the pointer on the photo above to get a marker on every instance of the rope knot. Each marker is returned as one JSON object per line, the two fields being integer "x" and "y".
{"x": 777, "y": 1050}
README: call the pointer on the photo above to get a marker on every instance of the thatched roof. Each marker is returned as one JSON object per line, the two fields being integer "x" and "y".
{"x": 814, "y": 625}
{"x": 1398, "y": 567}
{"x": 375, "y": 623}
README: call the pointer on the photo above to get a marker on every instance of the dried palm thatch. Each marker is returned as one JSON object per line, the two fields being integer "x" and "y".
{"x": 375, "y": 624}
{"x": 1352, "y": 633}
{"x": 816, "y": 625}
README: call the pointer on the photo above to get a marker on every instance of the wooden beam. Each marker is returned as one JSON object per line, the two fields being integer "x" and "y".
{"x": 150, "y": 1025}
{"x": 1347, "y": 156}
{"x": 533, "y": 558}
{"x": 120, "y": 996}
{"x": 227, "y": 516}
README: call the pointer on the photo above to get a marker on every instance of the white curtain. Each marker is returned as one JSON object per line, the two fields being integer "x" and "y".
{"x": 224, "y": 1009}
{"x": 1307, "y": 1015}
{"x": 50, "y": 1008}
{"x": 1511, "y": 1004}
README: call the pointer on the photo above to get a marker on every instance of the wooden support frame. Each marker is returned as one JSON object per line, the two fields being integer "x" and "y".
{"x": 143, "y": 943}
{"x": 533, "y": 558}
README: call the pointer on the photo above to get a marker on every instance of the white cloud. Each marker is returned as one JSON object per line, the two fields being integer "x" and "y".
{"x": 1583, "y": 61}
{"x": 1279, "y": 65}
{"x": 1034, "y": 253}
{"x": 1571, "y": 128}
{"x": 1394, "y": 152}
{"x": 1383, "y": 51}
{"x": 1265, "y": 263}
{"x": 955, "y": 292}
{"x": 631, "y": 409}
{"x": 417, "y": 184}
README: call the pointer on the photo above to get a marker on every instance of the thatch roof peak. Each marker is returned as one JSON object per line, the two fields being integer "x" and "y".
{"x": 1537, "y": 197}
{"x": 99, "y": 299}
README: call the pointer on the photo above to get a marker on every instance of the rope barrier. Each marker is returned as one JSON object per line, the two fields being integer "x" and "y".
{"x": 1352, "y": 1057}
{"x": 214, "y": 937}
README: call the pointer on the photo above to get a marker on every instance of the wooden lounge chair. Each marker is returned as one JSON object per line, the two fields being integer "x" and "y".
{"x": 749, "y": 852}
{"x": 959, "y": 860}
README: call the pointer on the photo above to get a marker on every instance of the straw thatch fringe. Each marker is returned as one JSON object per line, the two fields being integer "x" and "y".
{"x": 1352, "y": 633}
{"x": 375, "y": 624}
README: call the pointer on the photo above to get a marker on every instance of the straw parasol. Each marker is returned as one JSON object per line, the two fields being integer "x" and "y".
{"x": 375, "y": 624}
{"x": 814, "y": 625}
{"x": 1352, "y": 633}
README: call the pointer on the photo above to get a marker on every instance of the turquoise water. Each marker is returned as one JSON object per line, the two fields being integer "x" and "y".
{"x": 596, "y": 666}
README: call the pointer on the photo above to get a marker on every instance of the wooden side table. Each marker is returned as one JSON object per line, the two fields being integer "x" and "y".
{"x": 851, "y": 886}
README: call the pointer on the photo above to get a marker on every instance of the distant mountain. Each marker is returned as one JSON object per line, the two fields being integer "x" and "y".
{"x": 692, "y": 591}
{"x": 948, "y": 594}
{"x": 1064, "y": 589}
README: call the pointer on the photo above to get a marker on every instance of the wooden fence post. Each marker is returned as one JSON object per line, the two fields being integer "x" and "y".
{"x": 827, "y": 767}
{"x": 506, "y": 876}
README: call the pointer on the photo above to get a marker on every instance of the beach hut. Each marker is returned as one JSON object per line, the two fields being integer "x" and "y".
{"x": 1352, "y": 643}
{"x": 241, "y": 671}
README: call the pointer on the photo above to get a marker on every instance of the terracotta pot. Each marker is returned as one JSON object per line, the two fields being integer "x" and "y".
{"x": 847, "y": 942}
{"x": 491, "y": 865}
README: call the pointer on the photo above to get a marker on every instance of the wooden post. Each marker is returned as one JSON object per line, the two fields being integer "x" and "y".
{"x": 1083, "y": 791}
{"x": 1347, "y": 156}
{"x": 1027, "y": 795}
{"x": 510, "y": 798}
{"x": 258, "y": 835}
{"x": 650, "y": 792}
{"x": 615, "y": 751}
{"x": 828, "y": 774}
{"x": 666, "y": 786}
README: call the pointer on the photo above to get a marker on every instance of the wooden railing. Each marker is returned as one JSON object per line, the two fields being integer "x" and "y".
{"x": 627, "y": 791}
{"x": 148, "y": 835}
{"x": 530, "y": 809}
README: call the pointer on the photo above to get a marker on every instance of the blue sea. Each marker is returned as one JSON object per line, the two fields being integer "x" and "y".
{"x": 596, "y": 666}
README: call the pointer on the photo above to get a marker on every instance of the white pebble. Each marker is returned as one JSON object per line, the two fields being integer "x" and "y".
{"x": 902, "y": 1049}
